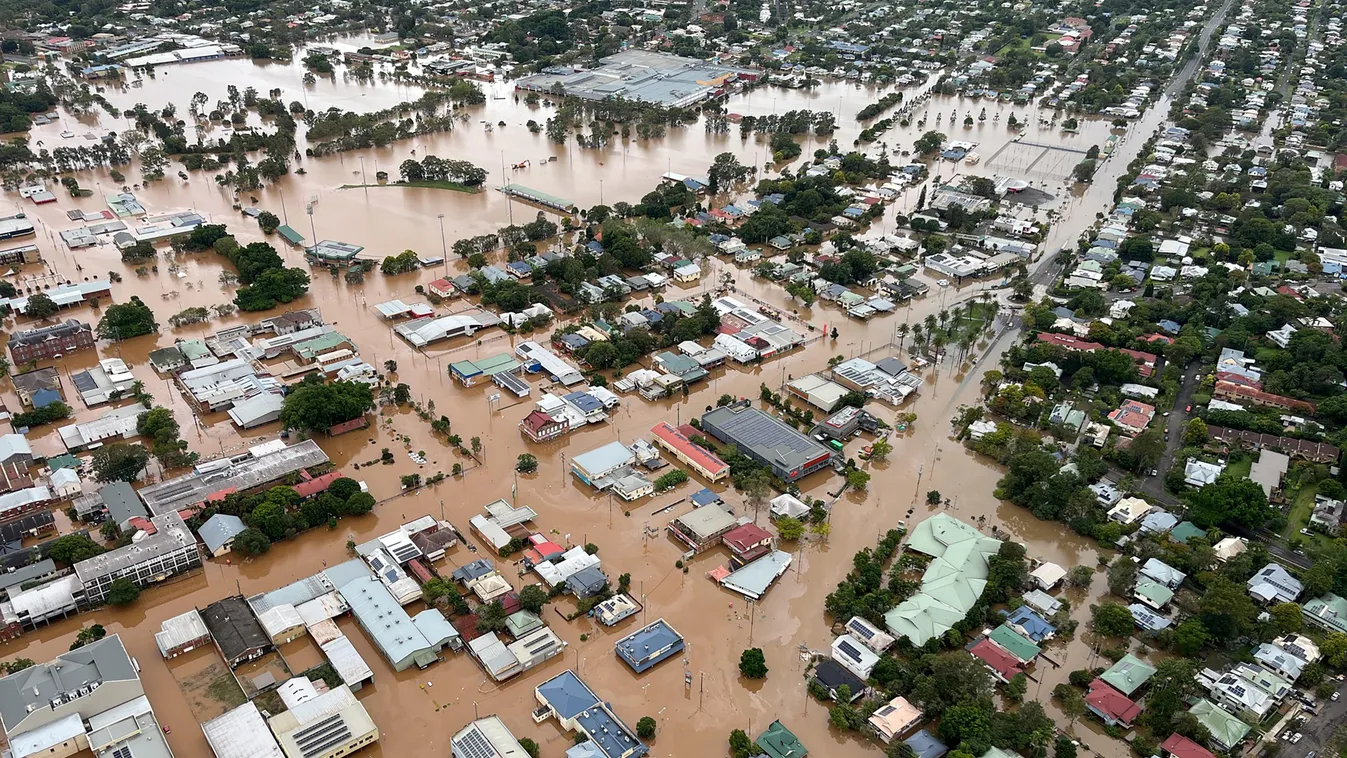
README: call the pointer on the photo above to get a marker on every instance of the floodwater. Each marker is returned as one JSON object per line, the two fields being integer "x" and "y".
{"x": 417, "y": 711}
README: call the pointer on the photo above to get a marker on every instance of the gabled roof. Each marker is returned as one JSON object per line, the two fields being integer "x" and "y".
{"x": 1128, "y": 674}
{"x": 1179, "y": 746}
{"x": 1111, "y": 703}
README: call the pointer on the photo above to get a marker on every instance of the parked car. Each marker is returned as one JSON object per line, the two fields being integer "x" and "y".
{"x": 1296, "y": 738}
{"x": 1334, "y": 697}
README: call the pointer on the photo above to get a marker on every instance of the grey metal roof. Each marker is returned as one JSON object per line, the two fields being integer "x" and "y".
{"x": 387, "y": 624}
{"x": 219, "y": 529}
{"x": 637, "y": 646}
{"x": 122, "y": 502}
{"x": 22, "y": 574}
{"x": 241, "y": 473}
{"x": 766, "y": 436}
{"x": 103, "y": 661}
{"x": 170, "y": 534}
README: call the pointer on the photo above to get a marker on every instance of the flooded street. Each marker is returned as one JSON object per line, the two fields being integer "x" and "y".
{"x": 417, "y": 711}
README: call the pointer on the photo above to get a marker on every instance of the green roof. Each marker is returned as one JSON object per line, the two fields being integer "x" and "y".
{"x": 193, "y": 349}
{"x": 1014, "y": 643}
{"x": 1157, "y": 593}
{"x": 290, "y": 235}
{"x": 520, "y": 623}
{"x": 1226, "y": 730}
{"x": 953, "y": 581}
{"x": 1329, "y": 611}
{"x": 779, "y": 742}
{"x": 310, "y": 349}
{"x": 64, "y": 460}
{"x": 1128, "y": 675}
{"x": 1185, "y": 531}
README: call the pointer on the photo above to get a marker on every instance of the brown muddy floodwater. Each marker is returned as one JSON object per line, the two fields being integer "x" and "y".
{"x": 417, "y": 711}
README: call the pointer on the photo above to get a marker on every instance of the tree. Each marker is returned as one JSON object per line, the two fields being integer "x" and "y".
{"x": 267, "y": 221}
{"x": 857, "y": 479}
{"x": 933, "y": 497}
{"x": 789, "y": 528}
{"x": 40, "y": 306}
{"x": 1190, "y": 637}
{"x": 1072, "y": 705}
{"x": 73, "y": 548}
{"x": 119, "y": 462}
{"x": 1226, "y": 608}
{"x": 1065, "y": 747}
{"x": 1017, "y": 687}
{"x": 273, "y": 286}
{"x": 532, "y": 749}
{"x": 740, "y": 745}
{"x": 527, "y": 463}
{"x": 18, "y": 664}
{"x": 725, "y": 172}
{"x": 88, "y": 635}
{"x": 753, "y": 664}
{"x": 251, "y": 542}
{"x": 315, "y": 406}
{"x": 967, "y": 725}
{"x": 1195, "y": 433}
{"x": 343, "y": 488}
{"x": 1147, "y": 448}
{"x": 880, "y": 449}
{"x": 123, "y": 591}
{"x": 532, "y": 598}
{"x": 1080, "y": 576}
{"x": 1287, "y": 617}
{"x": 1122, "y": 576}
{"x": 1111, "y": 620}
{"x": 645, "y": 728}
{"x": 1230, "y": 500}
{"x": 1174, "y": 682}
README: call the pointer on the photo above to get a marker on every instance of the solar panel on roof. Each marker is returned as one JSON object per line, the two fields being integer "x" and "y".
{"x": 122, "y": 752}
{"x": 862, "y": 631}
{"x": 849, "y": 649}
{"x": 474, "y": 745}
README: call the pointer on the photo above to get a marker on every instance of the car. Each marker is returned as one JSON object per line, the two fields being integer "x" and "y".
{"x": 1304, "y": 531}
{"x": 1189, "y": 409}
{"x": 1334, "y": 697}
{"x": 1298, "y": 736}
{"x": 1166, "y": 414}
{"x": 1311, "y": 754}
{"x": 1286, "y": 735}
{"x": 942, "y": 282}
{"x": 1155, "y": 472}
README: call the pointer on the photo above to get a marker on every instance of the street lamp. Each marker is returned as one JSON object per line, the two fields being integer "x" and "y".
{"x": 444, "y": 251}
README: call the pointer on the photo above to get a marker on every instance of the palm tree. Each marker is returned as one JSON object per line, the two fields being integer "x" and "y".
{"x": 940, "y": 341}
{"x": 944, "y": 317}
{"x": 930, "y": 324}
{"x": 902, "y": 330}
{"x": 965, "y": 344}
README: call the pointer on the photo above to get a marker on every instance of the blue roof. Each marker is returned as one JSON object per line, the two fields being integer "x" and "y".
{"x": 594, "y": 246}
{"x": 1170, "y": 326}
{"x": 586, "y": 402}
{"x": 1035, "y": 626}
{"x": 574, "y": 341}
{"x": 478, "y": 568}
{"x": 649, "y": 641}
{"x": 45, "y": 397}
{"x": 925, "y": 745}
{"x": 567, "y": 695}
{"x": 520, "y": 267}
{"x": 613, "y": 738}
{"x": 705, "y": 497}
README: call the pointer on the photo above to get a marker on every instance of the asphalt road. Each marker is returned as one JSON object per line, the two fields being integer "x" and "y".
{"x": 1318, "y": 730}
{"x": 1155, "y": 485}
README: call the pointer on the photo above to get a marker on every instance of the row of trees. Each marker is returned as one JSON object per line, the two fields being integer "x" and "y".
{"x": 436, "y": 169}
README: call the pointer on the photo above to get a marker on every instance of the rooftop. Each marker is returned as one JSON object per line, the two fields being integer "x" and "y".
{"x": 239, "y": 473}
{"x": 170, "y": 534}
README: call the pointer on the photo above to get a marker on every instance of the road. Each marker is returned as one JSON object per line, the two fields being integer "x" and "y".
{"x": 1155, "y": 485}
{"x": 1318, "y": 729}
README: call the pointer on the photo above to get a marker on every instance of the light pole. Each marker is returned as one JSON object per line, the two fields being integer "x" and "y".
{"x": 444, "y": 250}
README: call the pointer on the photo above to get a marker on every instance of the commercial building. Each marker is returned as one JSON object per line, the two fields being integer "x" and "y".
{"x": 703, "y": 528}
{"x": 597, "y": 467}
{"x": 646, "y": 647}
{"x": 486, "y": 738}
{"x": 817, "y": 391}
{"x": 469, "y": 373}
{"x": 952, "y": 583}
{"x": 538, "y": 358}
{"x": 118, "y": 423}
{"x": 108, "y": 380}
{"x": 401, "y": 639}
{"x": 329, "y": 725}
{"x": 241, "y": 733}
{"x": 50, "y": 342}
{"x": 235, "y": 630}
{"x": 166, "y": 549}
{"x": 568, "y": 699}
{"x": 16, "y": 505}
{"x": 89, "y": 699}
{"x": 641, "y": 75}
{"x": 182, "y": 634}
{"x": 259, "y": 466}
{"x": 692, "y": 455}
{"x": 767, "y": 440}
{"x": 753, "y": 581}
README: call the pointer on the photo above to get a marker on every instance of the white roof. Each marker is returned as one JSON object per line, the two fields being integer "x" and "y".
{"x": 241, "y": 733}
{"x": 280, "y": 619}
{"x": 1048, "y": 574}
{"x": 343, "y": 656}
{"x": 788, "y": 505}
{"x": 46, "y": 737}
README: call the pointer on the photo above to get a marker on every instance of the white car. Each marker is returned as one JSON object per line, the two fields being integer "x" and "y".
{"x": 943, "y": 282}
{"x": 1334, "y": 697}
{"x": 1286, "y": 735}
{"x": 1296, "y": 738}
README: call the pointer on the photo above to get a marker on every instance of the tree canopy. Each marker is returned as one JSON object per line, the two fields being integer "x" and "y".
{"x": 315, "y": 406}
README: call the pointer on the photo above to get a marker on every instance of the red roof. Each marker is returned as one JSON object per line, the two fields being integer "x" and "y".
{"x": 1263, "y": 398}
{"x": 537, "y": 420}
{"x": 1241, "y": 380}
{"x": 348, "y": 426}
{"x": 317, "y": 485}
{"x": 1069, "y": 342}
{"x": 999, "y": 660}
{"x": 709, "y": 462}
{"x": 1158, "y": 338}
{"x": 220, "y": 495}
{"x": 143, "y": 524}
{"x": 745, "y": 537}
{"x": 419, "y": 571}
{"x": 1181, "y": 747}
{"x": 1111, "y": 702}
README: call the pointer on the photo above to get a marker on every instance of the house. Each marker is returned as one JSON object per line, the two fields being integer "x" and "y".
{"x": 1158, "y": 522}
{"x": 1197, "y": 473}
{"x": 854, "y": 655}
{"x": 1241, "y": 696}
{"x": 1178, "y": 746}
{"x": 1227, "y": 732}
{"x": 869, "y": 634}
{"x": 778, "y": 742}
{"x": 1274, "y": 584}
{"x": 894, "y": 719}
{"x": 1184, "y": 531}
{"x": 1152, "y": 593}
{"x": 1329, "y": 612}
{"x": 1110, "y": 705}
{"x": 1129, "y": 510}
{"x": 747, "y": 543}
{"x": 15, "y": 450}
{"x": 832, "y": 676}
{"x": 1042, "y": 602}
{"x": 1011, "y": 641}
{"x": 1132, "y": 416}
{"x": 218, "y": 533}
{"x": 1002, "y": 664}
{"x": 1268, "y": 471}
{"x": 1128, "y": 675}
{"x": 703, "y": 528}
{"x": 1030, "y": 624}
{"x": 1048, "y": 575}
{"x": 926, "y": 745}
{"x": 1163, "y": 573}
{"x": 574, "y": 705}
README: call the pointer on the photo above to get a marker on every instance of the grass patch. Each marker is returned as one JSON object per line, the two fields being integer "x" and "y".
{"x": 227, "y": 691}
{"x": 1282, "y": 256}
{"x": 428, "y": 184}
{"x": 1239, "y": 466}
{"x": 1301, "y": 509}
{"x": 1023, "y": 44}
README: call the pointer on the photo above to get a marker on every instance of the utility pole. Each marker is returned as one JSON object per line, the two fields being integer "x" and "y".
{"x": 444, "y": 249}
